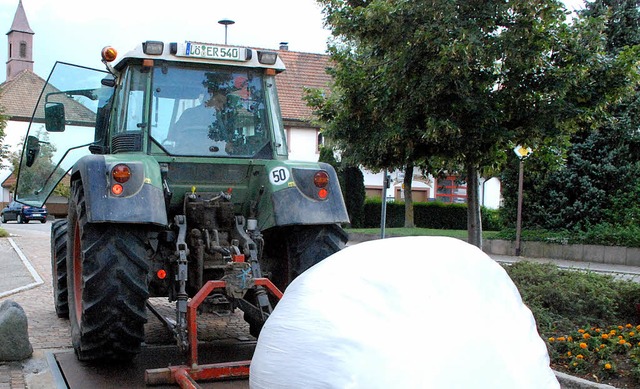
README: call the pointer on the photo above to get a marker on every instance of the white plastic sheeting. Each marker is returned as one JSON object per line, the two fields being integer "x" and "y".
{"x": 414, "y": 312}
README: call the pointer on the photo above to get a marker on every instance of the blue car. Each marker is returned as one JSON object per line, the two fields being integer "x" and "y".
{"x": 23, "y": 213}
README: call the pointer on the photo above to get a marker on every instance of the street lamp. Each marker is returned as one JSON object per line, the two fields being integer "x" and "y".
{"x": 522, "y": 153}
{"x": 226, "y": 23}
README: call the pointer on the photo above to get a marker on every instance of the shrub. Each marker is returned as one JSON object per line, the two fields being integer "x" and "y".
{"x": 434, "y": 214}
{"x": 561, "y": 298}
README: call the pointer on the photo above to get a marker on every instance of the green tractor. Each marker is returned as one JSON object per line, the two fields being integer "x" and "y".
{"x": 176, "y": 160}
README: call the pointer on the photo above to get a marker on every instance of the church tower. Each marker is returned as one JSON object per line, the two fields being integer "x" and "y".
{"x": 20, "y": 39}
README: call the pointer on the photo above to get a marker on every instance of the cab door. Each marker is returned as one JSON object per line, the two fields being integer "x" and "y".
{"x": 62, "y": 128}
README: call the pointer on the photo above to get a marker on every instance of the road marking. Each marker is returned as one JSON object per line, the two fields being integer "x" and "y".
{"x": 32, "y": 271}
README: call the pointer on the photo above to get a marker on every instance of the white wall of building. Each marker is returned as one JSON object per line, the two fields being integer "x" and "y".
{"x": 490, "y": 193}
{"x": 303, "y": 144}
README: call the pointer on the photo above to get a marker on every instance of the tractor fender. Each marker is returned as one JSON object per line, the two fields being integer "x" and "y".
{"x": 295, "y": 199}
{"x": 142, "y": 199}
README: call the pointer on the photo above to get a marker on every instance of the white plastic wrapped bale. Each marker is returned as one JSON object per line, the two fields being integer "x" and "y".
{"x": 414, "y": 312}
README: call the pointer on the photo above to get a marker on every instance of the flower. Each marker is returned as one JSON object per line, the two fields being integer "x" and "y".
{"x": 628, "y": 326}
{"x": 605, "y": 336}
{"x": 586, "y": 336}
{"x": 607, "y": 366}
{"x": 569, "y": 353}
{"x": 552, "y": 339}
{"x": 561, "y": 339}
{"x": 583, "y": 345}
{"x": 581, "y": 331}
{"x": 580, "y": 356}
{"x": 622, "y": 341}
{"x": 602, "y": 346}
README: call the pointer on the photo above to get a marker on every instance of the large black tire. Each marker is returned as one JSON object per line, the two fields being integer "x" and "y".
{"x": 107, "y": 279}
{"x": 289, "y": 251}
{"x": 59, "y": 267}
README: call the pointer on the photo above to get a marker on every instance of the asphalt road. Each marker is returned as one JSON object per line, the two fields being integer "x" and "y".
{"x": 33, "y": 228}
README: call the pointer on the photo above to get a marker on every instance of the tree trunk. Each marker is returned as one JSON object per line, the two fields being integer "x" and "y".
{"x": 474, "y": 219}
{"x": 408, "y": 197}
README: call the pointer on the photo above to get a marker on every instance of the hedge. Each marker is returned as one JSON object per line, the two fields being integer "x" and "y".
{"x": 435, "y": 215}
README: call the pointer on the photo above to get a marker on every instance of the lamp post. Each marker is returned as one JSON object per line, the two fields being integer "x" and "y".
{"x": 522, "y": 153}
{"x": 226, "y": 23}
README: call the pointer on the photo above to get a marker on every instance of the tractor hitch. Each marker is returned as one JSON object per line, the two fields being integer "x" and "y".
{"x": 187, "y": 375}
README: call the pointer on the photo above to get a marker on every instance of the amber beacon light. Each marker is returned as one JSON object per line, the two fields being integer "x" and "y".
{"x": 109, "y": 54}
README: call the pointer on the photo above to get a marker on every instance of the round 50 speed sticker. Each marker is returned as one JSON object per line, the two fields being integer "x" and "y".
{"x": 279, "y": 175}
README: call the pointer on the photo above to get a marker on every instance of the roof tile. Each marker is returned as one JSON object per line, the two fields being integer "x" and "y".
{"x": 303, "y": 70}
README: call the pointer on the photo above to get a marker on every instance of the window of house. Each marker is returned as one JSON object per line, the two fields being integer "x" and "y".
{"x": 320, "y": 141}
{"x": 451, "y": 190}
{"x": 23, "y": 49}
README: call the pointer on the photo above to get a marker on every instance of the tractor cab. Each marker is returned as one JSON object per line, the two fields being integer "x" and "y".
{"x": 189, "y": 99}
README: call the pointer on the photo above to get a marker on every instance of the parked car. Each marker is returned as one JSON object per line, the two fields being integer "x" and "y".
{"x": 23, "y": 213}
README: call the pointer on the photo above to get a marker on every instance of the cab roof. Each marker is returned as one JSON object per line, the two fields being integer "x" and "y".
{"x": 204, "y": 53}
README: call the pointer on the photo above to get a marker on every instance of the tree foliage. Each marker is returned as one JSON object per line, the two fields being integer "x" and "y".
{"x": 460, "y": 81}
{"x": 598, "y": 181}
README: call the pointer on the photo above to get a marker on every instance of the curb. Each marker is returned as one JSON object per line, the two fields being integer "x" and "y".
{"x": 570, "y": 382}
{"x": 25, "y": 262}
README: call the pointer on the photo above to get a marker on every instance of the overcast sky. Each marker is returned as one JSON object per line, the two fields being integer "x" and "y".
{"x": 75, "y": 31}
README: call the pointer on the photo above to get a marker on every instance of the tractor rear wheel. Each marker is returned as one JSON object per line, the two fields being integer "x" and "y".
{"x": 106, "y": 276}
{"x": 59, "y": 267}
{"x": 308, "y": 245}
{"x": 289, "y": 251}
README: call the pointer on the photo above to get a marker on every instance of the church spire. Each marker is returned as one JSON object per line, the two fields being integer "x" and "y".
{"x": 20, "y": 39}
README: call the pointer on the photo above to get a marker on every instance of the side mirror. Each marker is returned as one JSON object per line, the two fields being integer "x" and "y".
{"x": 54, "y": 117}
{"x": 33, "y": 148}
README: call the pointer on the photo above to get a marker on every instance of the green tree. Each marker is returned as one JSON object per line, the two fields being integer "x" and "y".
{"x": 454, "y": 81}
{"x": 598, "y": 180}
{"x": 32, "y": 178}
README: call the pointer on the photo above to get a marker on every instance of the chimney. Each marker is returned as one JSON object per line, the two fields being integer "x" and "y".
{"x": 284, "y": 46}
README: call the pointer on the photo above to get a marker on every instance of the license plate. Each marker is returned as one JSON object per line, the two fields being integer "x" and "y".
{"x": 36, "y": 215}
{"x": 204, "y": 50}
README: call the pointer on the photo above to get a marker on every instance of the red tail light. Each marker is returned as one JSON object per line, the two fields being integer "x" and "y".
{"x": 121, "y": 173}
{"x": 321, "y": 179}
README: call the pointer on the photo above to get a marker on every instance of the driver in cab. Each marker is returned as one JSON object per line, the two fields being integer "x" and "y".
{"x": 194, "y": 128}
